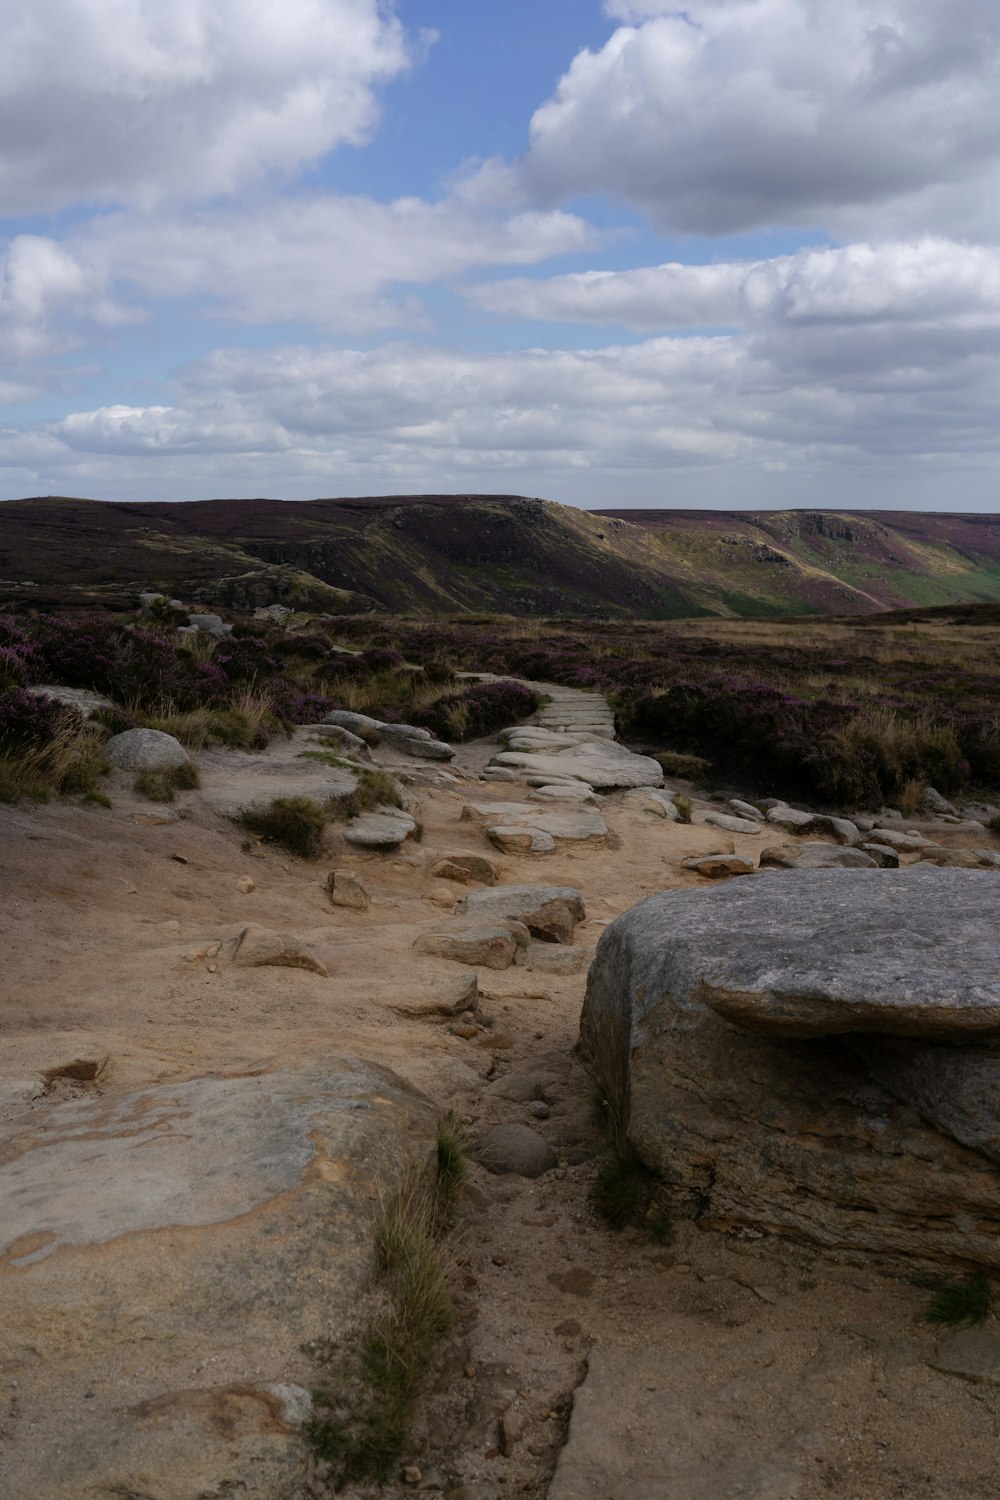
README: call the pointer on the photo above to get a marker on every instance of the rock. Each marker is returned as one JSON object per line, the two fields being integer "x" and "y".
{"x": 958, "y": 859}
{"x": 421, "y": 749}
{"x": 718, "y": 866}
{"x": 842, "y": 829}
{"x": 82, "y": 699}
{"x": 572, "y": 827}
{"x": 956, "y": 1088}
{"x": 730, "y": 824}
{"x": 549, "y": 912}
{"x": 210, "y": 624}
{"x": 218, "y": 1220}
{"x": 884, "y": 857}
{"x": 495, "y": 813}
{"x": 259, "y": 947}
{"x": 443, "y": 896}
{"x": 498, "y": 773}
{"x": 276, "y": 613}
{"x": 359, "y": 724}
{"x": 379, "y": 830}
{"x": 517, "y": 1149}
{"x": 745, "y": 809}
{"x": 549, "y": 958}
{"x": 518, "y": 1088}
{"x": 604, "y": 764}
{"x": 903, "y": 843}
{"x": 789, "y": 818}
{"x": 347, "y": 889}
{"x": 447, "y": 997}
{"x": 145, "y": 750}
{"x": 514, "y": 840}
{"x": 246, "y": 885}
{"x": 564, "y": 791}
{"x": 814, "y": 857}
{"x": 933, "y": 802}
{"x": 973, "y": 1353}
{"x": 988, "y": 858}
{"x": 465, "y": 867}
{"x": 485, "y": 944}
{"x": 341, "y": 741}
{"x": 653, "y": 800}
{"x": 714, "y": 1013}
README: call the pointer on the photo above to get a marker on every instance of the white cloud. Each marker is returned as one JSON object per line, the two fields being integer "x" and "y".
{"x": 334, "y": 263}
{"x": 138, "y": 100}
{"x": 911, "y": 285}
{"x": 731, "y": 114}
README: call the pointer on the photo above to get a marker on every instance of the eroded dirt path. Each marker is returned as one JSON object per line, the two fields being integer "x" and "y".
{"x": 718, "y": 1367}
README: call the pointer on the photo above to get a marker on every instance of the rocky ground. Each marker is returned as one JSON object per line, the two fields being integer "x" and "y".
{"x": 191, "y": 1150}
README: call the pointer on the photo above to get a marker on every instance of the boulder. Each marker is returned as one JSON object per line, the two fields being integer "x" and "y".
{"x": 360, "y": 724}
{"x": 145, "y": 750}
{"x": 603, "y": 764}
{"x": 83, "y": 700}
{"x": 725, "y": 1025}
{"x": 517, "y": 1149}
{"x": 884, "y": 857}
{"x": 463, "y": 867}
{"x": 218, "y": 1220}
{"x": 933, "y": 802}
{"x": 481, "y": 943}
{"x": 729, "y": 823}
{"x": 451, "y": 996}
{"x": 956, "y": 859}
{"x": 495, "y": 813}
{"x": 745, "y": 809}
{"x": 718, "y": 866}
{"x": 564, "y": 791}
{"x": 552, "y": 958}
{"x": 498, "y": 773}
{"x": 549, "y": 912}
{"x": 815, "y": 857}
{"x": 259, "y": 947}
{"x": 380, "y": 830}
{"x": 511, "y": 839}
{"x": 347, "y": 889}
{"x": 653, "y": 800}
{"x": 789, "y": 818}
{"x": 210, "y": 624}
{"x": 903, "y": 843}
{"x": 843, "y": 830}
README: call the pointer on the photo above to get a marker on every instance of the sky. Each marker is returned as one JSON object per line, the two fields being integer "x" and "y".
{"x": 740, "y": 254}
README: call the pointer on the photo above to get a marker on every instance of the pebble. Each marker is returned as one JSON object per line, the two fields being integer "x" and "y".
{"x": 245, "y": 885}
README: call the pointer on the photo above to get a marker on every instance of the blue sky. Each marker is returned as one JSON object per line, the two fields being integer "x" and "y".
{"x": 609, "y": 253}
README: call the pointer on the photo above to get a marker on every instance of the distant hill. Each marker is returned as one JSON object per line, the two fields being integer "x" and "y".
{"x": 494, "y": 554}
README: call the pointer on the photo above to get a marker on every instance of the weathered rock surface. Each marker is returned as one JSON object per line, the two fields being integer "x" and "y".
{"x": 815, "y": 857}
{"x": 174, "y": 1247}
{"x": 695, "y": 1005}
{"x": 973, "y": 1353}
{"x": 603, "y": 764}
{"x": 903, "y": 843}
{"x": 380, "y": 830}
{"x": 516, "y": 1148}
{"x": 719, "y": 866}
{"x": 483, "y": 944}
{"x": 653, "y": 800}
{"x": 552, "y": 958}
{"x": 347, "y": 889}
{"x": 884, "y": 857}
{"x": 563, "y": 791}
{"x": 959, "y": 859}
{"x": 464, "y": 867}
{"x": 448, "y": 996}
{"x": 145, "y": 750}
{"x": 495, "y": 813}
{"x": 83, "y": 700}
{"x": 549, "y": 912}
{"x": 730, "y": 823}
{"x": 516, "y": 839}
{"x": 259, "y": 947}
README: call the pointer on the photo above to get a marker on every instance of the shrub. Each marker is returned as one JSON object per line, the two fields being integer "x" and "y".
{"x": 46, "y": 748}
{"x": 480, "y": 709}
{"x": 961, "y": 1302}
{"x": 296, "y": 823}
{"x": 690, "y": 767}
{"x": 160, "y": 786}
{"x": 684, "y": 807}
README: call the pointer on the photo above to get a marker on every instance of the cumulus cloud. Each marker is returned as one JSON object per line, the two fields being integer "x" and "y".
{"x": 927, "y": 281}
{"x": 335, "y": 263}
{"x": 732, "y": 114}
{"x": 139, "y": 101}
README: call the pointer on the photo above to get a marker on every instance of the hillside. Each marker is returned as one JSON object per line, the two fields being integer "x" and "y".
{"x": 448, "y": 554}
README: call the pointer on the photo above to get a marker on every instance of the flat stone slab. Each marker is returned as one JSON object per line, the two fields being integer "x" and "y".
{"x": 604, "y": 764}
{"x": 973, "y": 1353}
{"x": 177, "y": 1243}
{"x": 515, "y": 838}
{"x": 900, "y": 952}
{"x": 479, "y": 942}
{"x": 719, "y": 866}
{"x": 815, "y": 856}
{"x": 548, "y": 911}
{"x": 379, "y": 830}
{"x": 730, "y": 823}
{"x": 260, "y": 948}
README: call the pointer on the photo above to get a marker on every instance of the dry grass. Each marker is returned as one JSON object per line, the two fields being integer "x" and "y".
{"x": 246, "y": 723}
{"x": 72, "y": 761}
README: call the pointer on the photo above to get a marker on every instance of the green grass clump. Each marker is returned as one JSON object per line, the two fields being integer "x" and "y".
{"x": 959, "y": 1302}
{"x": 993, "y": 824}
{"x": 296, "y": 823}
{"x": 374, "y": 788}
{"x": 160, "y": 786}
{"x": 452, "y": 1162}
{"x": 70, "y": 763}
{"x": 365, "y": 1412}
{"x": 683, "y": 806}
{"x": 623, "y": 1191}
{"x": 691, "y": 767}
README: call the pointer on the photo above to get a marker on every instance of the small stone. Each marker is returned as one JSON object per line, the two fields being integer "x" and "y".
{"x": 347, "y": 889}
{"x": 517, "y": 1149}
{"x": 730, "y": 824}
{"x": 245, "y": 885}
{"x": 973, "y": 1353}
{"x": 516, "y": 840}
{"x": 539, "y": 1109}
{"x": 718, "y": 866}
{"x": 411, "y": 1474}
{"x": 465, "y": 867}
{"x": 259, "y": 947}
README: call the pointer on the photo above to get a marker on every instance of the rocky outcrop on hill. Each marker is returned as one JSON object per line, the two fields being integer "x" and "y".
{"x": 816, "y": 1054}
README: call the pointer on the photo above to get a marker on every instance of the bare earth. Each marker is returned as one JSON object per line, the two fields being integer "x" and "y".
{"x": 719, "y": 1367}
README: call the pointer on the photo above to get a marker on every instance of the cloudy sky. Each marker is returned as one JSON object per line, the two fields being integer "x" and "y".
{"x": 744, "y": 253}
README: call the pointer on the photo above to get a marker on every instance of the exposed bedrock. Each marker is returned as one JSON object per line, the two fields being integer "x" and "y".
{"x": 814, "y": 1053}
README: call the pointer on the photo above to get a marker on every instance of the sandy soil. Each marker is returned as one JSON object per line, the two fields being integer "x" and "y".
{"x": 108, "y": 923}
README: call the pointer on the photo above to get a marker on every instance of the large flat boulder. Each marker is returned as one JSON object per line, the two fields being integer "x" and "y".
{"x": 549, "y": 912}
{"x": 603, "y": 764}
{"x": 170, "y": 1250}
{"x": 716, "y": 1019}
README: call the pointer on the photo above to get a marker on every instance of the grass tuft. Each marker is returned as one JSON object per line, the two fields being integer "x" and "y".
{"x": 365, "y": 1412}
{"x": 452, "y": 1162}
{"x": 160, "y": 786}
{"x": 296, "y": 823}
{"x": 961, "y": 1302}
{"x": 691, "y": 767}
{"x": 683, "y": 806}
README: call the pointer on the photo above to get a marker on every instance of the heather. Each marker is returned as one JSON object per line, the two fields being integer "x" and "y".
{"x": 46, "y": 749}
{"x": 480, "y": 709}
{"x": 849, "y": 714}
